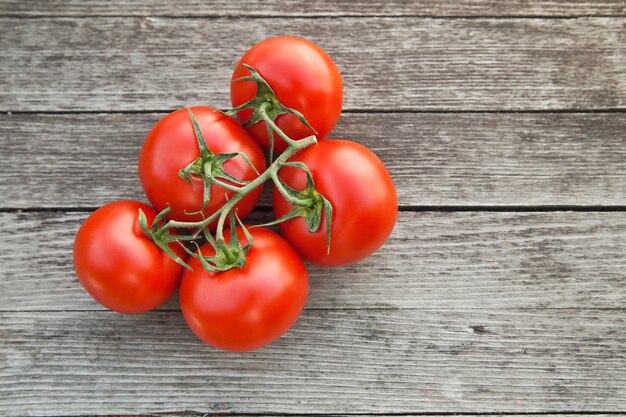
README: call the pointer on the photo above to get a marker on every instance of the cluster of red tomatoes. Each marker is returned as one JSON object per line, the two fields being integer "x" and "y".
{"x": 202, "y": 171}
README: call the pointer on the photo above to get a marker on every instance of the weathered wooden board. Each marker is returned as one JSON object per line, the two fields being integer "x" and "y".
{"x": 433, "y": 260}
{"x": 346, "y": 361}
{"x": 387, "y": 63}
{"x": 313, "y": 8}
{"x": 461, "y": 312}
{"x": 476, "y": 159}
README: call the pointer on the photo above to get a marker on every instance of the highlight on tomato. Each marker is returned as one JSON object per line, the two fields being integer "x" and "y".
{"x": 119, "y": 265}
{"x": 192, "y": 159}
{"x": 246, "y": 307}
{"x": 363, "y": 202}
{"x": 303, "y": 93}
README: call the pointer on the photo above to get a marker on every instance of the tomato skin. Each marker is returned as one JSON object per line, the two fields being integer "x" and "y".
{"x": 302, "y": 76}
{"x": 243, "y": 309}
{"x": 119, "y": 266}
{"x": 361, "y": 191}
{"x": 171, "y": 145}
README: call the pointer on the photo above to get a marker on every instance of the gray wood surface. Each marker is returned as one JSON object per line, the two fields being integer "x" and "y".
{"x": 447, "y": 359}
{"x": 473, "y": 159}
{"x": 472, "y": 260}
{"x": 474, "y": 106}
{"x": 313, "y": 8}
{"x": 387, "y": 63}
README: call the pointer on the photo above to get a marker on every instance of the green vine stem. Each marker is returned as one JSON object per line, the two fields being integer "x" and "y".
{"x": 208, "y": 168}
{"x": 221, "y": 214}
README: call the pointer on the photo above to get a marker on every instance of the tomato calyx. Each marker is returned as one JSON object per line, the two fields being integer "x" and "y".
{"x": 162, "y": 236}
{"x": 266, "y": 108}
{"x": 227, "y": 255}
{"x": 308, "y": 203}
{"x": 209, "y": 168}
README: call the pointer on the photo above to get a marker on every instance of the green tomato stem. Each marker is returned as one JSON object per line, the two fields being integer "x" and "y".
{"x": 294, "y": 201}
{"x": 271, "y": 172}
{"x": 226, "y": 186}
{"x": 272, "y": 125}
{"x": 209, "y": 167}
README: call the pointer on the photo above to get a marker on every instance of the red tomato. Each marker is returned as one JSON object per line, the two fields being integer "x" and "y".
{"x": 119, "y": 266}
{"x": 362, "y": 194}
{"x": 171, "y": 145}
{"x": 303, "y": 78}
{"x": 246, "y": 308}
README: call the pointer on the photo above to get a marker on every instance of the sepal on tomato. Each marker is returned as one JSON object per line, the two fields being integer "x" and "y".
{"x": 265, "y": 107}
{"x": 227, "y": 255}
{"x": 308, "y": 203}
{"x": 209, "y": 167}
{"x": 162, "y": 237}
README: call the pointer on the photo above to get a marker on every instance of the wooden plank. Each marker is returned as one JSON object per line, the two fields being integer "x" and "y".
{"x": 387, "y": 63}
{"x": 332, "y": 361}
{"x": 556, "y": 260}
{"x": 86, "y": 160}
{"x": 551, "y": 8}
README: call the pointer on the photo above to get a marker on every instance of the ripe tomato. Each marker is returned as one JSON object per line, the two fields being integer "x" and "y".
{"x": 171, "y": 145}
{"x": 119, "y": 266}
{"x": 246, "y": 308}
{"x": 303, "y": 78}
{"x": 362, "y": 194}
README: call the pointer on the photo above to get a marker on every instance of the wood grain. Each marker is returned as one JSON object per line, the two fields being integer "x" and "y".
{"x": 471, "y": 312}
{"x": 481, "y": 159}
{"x": 313, "y": 8}
{"x": 473, "y": 260}
{"x": 74, "y": 64}
{"x": 440, "y": 360}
